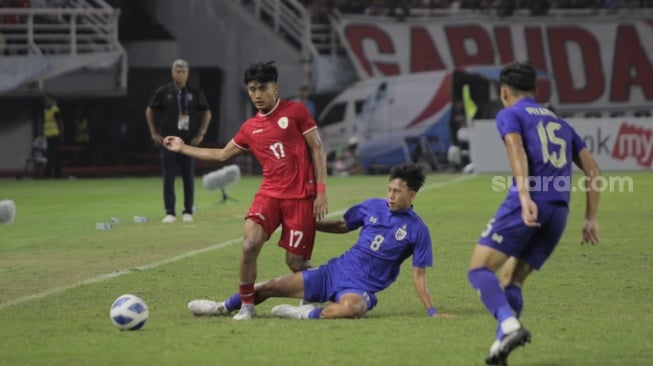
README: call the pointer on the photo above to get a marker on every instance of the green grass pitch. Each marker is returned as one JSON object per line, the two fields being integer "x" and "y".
{"x": 589, "y": 305}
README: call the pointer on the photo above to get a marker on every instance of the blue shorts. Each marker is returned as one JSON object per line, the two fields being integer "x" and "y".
{"x": 327, "y": 283}
{"x": 507, "y": 233}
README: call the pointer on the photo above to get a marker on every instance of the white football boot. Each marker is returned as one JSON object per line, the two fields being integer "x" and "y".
{"x": 207, "y": 308}
{"x": 292, "y": 312}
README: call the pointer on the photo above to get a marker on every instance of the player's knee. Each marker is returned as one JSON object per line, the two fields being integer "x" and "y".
{"x": 356, "y": 309}
{"x": 352, "y": 307}
{"x": 296, "y": 264}
{"x": 251, "y": 247}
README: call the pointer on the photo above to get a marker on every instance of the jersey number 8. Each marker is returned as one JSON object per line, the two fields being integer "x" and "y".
{"x": 375, "y": 245}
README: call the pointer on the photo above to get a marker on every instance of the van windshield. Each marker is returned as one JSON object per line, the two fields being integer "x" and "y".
{"x": 334, "y": 115}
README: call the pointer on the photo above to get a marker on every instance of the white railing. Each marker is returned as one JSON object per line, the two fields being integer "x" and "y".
{"x": 289, "y": 19}
{"x": 325, "y": 37}
{"x": 286, "y": 17}
{"x": 59, "y": 30}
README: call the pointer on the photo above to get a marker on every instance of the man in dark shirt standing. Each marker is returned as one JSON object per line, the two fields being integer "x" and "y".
{"x": 181, "y": 110}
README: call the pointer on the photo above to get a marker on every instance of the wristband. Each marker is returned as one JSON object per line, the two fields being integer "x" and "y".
{"x": 432, "y": 311}
{"x": 320, "y": 187}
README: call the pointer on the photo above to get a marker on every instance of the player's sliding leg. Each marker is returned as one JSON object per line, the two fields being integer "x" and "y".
{"x": 210, "y": 307}
{"x": 349, "y": 305}
{"x": 296, "y": 312}
{"x": 290, "y": 285}
{"x": 205, "y": 307}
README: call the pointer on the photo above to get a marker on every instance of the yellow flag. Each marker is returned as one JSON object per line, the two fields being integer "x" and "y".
{"x": 468, "y": 103}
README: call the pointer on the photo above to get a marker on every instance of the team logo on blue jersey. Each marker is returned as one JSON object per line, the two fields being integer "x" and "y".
{"x": 401, "y": 233}
{"x": 366, "y": 296}
{"x": 283, "y": 122}
{"x": 497, "y": 238}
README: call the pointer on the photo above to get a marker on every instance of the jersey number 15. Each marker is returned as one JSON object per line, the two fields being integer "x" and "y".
{"x": 548, "y": 137}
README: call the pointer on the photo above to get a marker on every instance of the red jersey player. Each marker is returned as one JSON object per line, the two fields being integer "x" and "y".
{"x": 283, "y": 137}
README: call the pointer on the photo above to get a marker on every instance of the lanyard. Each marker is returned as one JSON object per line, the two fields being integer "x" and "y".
{"x": 182, "y": 101}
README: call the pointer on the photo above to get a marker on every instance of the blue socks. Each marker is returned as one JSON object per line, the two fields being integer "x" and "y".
{"x": 486, "y": 283}
{"x": 513, "y": 293}
{"x": 315, "y": 313}
{"x": 234, "y": 302}
{"x": 516, "y": 301}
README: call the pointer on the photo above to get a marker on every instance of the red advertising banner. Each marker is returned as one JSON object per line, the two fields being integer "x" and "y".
{"x": 594, "y": 62}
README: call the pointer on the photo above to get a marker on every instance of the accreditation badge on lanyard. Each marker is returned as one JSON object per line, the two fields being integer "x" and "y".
{"x": 183, "y": 100}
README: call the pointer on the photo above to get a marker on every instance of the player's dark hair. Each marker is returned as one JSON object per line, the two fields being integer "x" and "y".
{"x": 410, "y": 173}
{"x": 262, "y": 72}
{"x": 520, "y": 76}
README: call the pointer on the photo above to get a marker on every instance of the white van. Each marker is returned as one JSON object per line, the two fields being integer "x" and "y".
{"x": 395, "y": 119}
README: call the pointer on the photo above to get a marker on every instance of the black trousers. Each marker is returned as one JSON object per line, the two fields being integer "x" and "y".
{"x": 53, "y": 166}
{"x": 169, "y": 163}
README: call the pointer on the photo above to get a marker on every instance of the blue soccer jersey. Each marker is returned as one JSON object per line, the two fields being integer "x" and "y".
{"x": 550, "y": 144}
{"x": 386, "y": 239}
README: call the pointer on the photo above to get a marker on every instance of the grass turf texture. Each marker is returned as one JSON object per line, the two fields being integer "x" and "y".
{"x": 588, "y": 305}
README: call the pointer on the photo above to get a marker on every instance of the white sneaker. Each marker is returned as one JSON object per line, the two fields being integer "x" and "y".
{"x": 187, "y": 217}
{"x": 292, "y": 312}
{"x": 169, "y": 219}
{"x": 246, "y": 312}
{"x": 207, "y": 308}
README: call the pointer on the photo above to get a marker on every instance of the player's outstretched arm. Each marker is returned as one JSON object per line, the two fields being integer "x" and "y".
{"x": 334, "y": 226}
{"x": 586, "y": 162}
{"x": 419, "y": 280}
{"x": 176, "y": 144}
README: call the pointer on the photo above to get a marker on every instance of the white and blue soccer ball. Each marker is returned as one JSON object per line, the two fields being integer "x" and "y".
{"x": 129, "y": 312}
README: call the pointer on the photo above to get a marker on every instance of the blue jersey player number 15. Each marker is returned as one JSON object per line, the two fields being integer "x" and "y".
{"x": 528, "y": 225}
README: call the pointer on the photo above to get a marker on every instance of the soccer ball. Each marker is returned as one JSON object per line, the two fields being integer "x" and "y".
{"x": 129, "y": 312}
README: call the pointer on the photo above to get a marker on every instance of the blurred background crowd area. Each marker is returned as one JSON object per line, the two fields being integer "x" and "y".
{"x": 403, "y": 8}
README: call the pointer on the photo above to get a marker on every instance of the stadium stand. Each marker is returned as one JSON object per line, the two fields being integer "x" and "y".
{"x": 87, "y": 33}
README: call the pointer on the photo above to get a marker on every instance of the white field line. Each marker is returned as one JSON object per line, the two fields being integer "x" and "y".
{"x": 192, "y": 253}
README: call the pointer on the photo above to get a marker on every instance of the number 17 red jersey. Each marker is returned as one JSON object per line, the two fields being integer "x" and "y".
{"x": 276, "y": 139}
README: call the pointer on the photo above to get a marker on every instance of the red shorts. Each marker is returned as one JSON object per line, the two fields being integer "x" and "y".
{"x": 295, "y": 217}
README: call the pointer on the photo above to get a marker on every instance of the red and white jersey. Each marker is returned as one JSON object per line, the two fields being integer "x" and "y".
{"x": 277, "y": 141}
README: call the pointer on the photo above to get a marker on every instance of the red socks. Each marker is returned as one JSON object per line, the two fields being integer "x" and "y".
{"x": 246, "y": 292}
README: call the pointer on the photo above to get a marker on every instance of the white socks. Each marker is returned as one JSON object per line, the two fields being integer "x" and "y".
{"x": 510, "y": 325}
